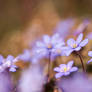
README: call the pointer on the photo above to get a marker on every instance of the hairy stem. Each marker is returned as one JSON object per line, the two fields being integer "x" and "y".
{"x": 84, "y": 70}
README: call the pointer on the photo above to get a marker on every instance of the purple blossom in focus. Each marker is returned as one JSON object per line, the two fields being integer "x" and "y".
{"x": 90, "y": 54}
{"x": 75, "y": 45}
{"x": 64, "y": 70}
{"x": 8, "y": 63}
{"x": 53, "y": 45}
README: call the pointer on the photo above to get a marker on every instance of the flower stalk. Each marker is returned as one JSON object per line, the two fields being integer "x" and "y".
{"x": 83, "y": 67}
{"x": 49, "y": 66}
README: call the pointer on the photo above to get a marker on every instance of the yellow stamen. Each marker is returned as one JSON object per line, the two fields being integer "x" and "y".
{"x": 74, "y": 45}
{"x": 65, "y": 69}
{"x": 49, "y": 46}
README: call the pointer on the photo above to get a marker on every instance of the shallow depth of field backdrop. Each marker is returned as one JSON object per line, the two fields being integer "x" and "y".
{"x": 22, "y": 21}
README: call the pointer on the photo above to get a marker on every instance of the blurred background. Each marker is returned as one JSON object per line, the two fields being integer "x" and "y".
{"x": 22, "y": 21}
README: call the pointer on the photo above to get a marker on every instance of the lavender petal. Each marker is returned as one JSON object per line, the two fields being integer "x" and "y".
{"x": 9, "y": 57}
{"x": 90, "y": 53}
{"x": 74, "y": 69}
{"x": 46, "y": 39}
{"x": 58, "y": 75}
{"x": 70, "y": 64}
{"x": 89, "y": 61}
{"x": 70, "y": 42}
{"x": 57, "y": 69}
{"x": 79, "y": 39}
{"x": 83, "y": 43}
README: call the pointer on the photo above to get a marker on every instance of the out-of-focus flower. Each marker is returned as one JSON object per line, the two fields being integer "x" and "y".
{"x": 81, "y": 28}
{"x": 25, "y": 56}
{"x": 34, "y": 79}
{"x": 89, "y": 36}
{"x": 78, "y": 82}
{"x": 75, "y": 45}
{"x": 90, "y": 54}
{"x": 5, "y": 82}
{"x": 8, "y": 63}
{"x": 35, "y": 56}
{"x": 64, "y": 70}
{"x": 63, "y": 27}
{"x": 29, "y": 56}
{"x": 52, "y": 45}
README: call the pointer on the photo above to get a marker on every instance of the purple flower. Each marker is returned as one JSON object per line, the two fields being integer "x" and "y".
{"x": 30, "y": 55}
{"x": 25, "y": 56}
{"x": 35, "y": 56}
{"x": 32, "y": 79}
{"x": 53, "y": 44}
{"x": 81, "y": 28}
{"x": 75, "y": 45}
{"x": 90, "y": 54}
{"x": 64, "y": 70}
{"x": 89, "y": 36}
{"x": 6, "y": 83}
{"x": 78, "y": 82}
{"x": 63, "y": 27}
{"x": 8, "y": 63}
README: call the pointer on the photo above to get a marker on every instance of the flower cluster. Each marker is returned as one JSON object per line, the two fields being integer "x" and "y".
{"x": 53, "y": 45}
{"x": 47, "y": 48}
{"x": 50, "y": 45}
{"x": 8, "y": 63}
{"x": 56, "y": 46}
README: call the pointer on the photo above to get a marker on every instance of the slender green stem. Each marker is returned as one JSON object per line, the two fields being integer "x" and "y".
{"x": 84, "y": 70}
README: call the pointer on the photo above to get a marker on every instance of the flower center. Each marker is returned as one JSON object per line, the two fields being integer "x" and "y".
{"x": 58, "y": 51}
{"x": 65, "y": 69}
{"x": 74, "y": 45}
{"x": 49, "y": 46}
{"x": 8, "y": 63}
